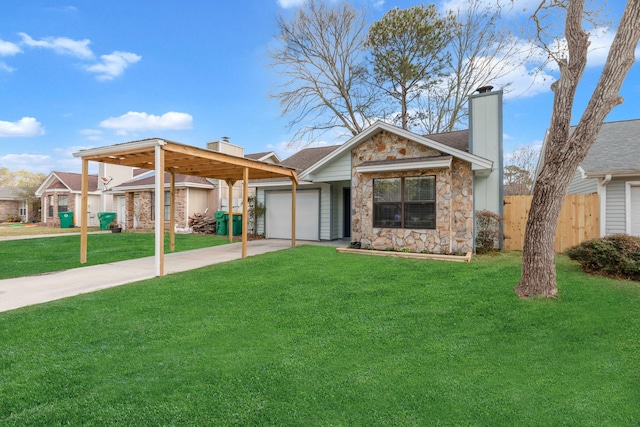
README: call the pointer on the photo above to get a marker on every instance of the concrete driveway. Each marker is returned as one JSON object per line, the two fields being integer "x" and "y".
{"x": 24, "y": 291}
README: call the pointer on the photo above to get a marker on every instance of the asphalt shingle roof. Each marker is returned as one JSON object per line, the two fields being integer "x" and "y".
{"x": 617, "y": 148}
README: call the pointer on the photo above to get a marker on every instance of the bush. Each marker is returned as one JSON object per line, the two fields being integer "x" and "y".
{"x": 617, "y": 255}
{"x": 489, "y": 231}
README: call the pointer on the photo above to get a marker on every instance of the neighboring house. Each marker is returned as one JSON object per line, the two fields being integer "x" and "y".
{"x": 13, "y": 205}
{"x": 61, "y": 192}
{"x": 224, "y": 146}
{"x": 612, "y": 170}
{"x": 134, "y": 200}
{"x": 388, "y": 187}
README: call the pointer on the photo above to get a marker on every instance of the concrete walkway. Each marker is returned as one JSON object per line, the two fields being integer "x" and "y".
{"x": 24, "y": 291}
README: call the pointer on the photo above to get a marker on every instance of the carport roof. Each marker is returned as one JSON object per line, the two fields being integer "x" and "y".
{"x": 185, "y": 159}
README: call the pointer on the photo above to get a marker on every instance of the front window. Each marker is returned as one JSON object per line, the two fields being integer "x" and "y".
{"x": 167, "y": 205}
{"x": 63, "y": 203}
{"x": 404, "y": 202}
{"x": 50, "y": 206}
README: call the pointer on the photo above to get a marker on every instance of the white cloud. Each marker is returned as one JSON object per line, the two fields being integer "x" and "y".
{"x": 92, "y": 134}
{"x": 36, "y": 163}
{"x": 61, "y": 45}
{"x": 113, "y": 64}
{"x": 8, "y": 48}
{"x": 26, "y": 126}
{"x": 135, "y": 121}
{"x": 290, "y": 3}
{"x": 5, "y": 67}
{"x": 507, "y": 6}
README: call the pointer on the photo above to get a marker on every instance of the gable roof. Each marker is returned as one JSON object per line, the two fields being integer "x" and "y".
{"x": 148, "y": 179}
{"x": 263, "y": 156}
{"x": 616, "y": 150}
{"x": 10, "y": 193}
{"x": 67, "y": 181}
{"x": 307, "y": 157}
{"x": 450, "y": 143}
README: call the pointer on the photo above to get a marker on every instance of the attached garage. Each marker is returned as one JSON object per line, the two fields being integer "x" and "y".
{"x": 278, "y": 214}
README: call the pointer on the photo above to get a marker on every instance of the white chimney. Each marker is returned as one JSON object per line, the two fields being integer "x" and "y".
{"x": 485, "y": 140}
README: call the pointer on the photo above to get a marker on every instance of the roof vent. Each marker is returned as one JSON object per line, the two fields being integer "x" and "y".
{"x": 484, "y": 89}
{"x": 225, "y": 138}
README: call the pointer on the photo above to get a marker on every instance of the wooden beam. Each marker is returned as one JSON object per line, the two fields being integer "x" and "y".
{"x": 230, "y": 183}
{"x": 84, "y": 208}
{"x": 293, "y": 213}
{"x": 159, "y": 211}
{"x": 245, "y": 210}
{"x": 172, "y": 214}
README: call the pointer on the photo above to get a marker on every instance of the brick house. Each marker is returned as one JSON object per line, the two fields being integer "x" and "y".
{"x": 12, "y": 205}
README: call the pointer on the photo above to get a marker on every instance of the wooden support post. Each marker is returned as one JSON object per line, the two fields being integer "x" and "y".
{"x": 245, "y": 210}
{"x": 230, "y": 183}
{"x": 159, "y": 210}
{"x": 172, "y": 215}
{"x": 84, "y": 217}
{"x": 293, "y": 213}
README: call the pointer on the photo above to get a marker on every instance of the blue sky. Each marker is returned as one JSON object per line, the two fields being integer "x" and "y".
{"x": 77, "y": 74}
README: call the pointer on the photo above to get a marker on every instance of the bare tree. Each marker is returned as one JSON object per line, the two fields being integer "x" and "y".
{"x": 483, "y": 51}
{"x": 564, "y": 151}
{"x": 519, "y": 172}
{"x": 320, "y": 54}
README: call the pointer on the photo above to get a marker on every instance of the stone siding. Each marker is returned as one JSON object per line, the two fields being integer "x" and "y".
{"x": 454, "y": 200}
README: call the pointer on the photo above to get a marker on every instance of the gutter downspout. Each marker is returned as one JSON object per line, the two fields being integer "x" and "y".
{"x": 602, "y": 193}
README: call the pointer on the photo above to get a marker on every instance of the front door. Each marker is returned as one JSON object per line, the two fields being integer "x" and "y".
{"x": 346, "y": 212}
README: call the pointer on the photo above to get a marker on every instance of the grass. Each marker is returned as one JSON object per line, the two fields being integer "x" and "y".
{"x": 19, "y": 229}
{"x": 43, "y": 255}
{"x": 310, "y": 337}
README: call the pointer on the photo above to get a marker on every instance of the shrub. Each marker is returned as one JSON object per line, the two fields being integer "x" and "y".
{"x": 617, "y": 255}
{"x": 489, "y": 231}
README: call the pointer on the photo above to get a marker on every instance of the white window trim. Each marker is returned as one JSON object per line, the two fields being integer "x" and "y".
{"x": 627, "y": 203}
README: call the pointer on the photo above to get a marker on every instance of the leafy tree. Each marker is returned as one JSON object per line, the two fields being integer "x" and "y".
{"x": 320, "y": 54}
{"x": 6, "y": 177}
{"x": 564, "y": 151}
{"x": 408, "y": 52}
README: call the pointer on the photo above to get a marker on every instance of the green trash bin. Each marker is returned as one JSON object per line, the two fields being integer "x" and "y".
{"x": 105, "y": 219}
{"x": 237, "y": 225}
{"x": 66, "y": 219}
{"x": 221, "y": 223}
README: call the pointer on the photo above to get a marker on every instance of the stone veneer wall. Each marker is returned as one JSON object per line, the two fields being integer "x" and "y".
{"x": 454, "y": 200}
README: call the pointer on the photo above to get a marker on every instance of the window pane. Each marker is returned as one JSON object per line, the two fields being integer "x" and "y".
{"x": 386, "y": 190}
{"x": 63, "y": 204}
{"x": 387, "y": 215}
{"x": 420, "y": 188}
{"x": 167, "y": 198}
{"x": 420, "y": 215}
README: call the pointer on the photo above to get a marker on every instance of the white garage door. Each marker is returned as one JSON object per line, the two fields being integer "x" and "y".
{"x": 634, "y": 214}
{"x": 278, "y": 215}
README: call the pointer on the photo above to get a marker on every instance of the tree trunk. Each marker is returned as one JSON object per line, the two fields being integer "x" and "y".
{"x": 564, "y": 151}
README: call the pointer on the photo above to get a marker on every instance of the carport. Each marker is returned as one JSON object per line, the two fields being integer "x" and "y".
{"x": 176, "y": 158}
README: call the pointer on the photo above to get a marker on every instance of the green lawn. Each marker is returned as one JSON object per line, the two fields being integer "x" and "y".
{"x": 309, "y": 337}
{"x": 47, "y": 254}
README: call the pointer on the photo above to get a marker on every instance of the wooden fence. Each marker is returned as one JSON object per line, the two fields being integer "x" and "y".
{"x": 578, "y": 220}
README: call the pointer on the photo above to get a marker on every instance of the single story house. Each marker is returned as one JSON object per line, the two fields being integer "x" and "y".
{"x": 134, "y": 200}
{"x": 14, "y": 206}
{"x": 612, "y": 170}
{"x": 61, "y": 192}
{"x": 388, "y": 187}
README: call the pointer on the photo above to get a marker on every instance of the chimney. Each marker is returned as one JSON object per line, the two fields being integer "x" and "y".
{"x": 485, "y": 140}
{"x": 224, "y": 146}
